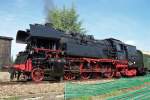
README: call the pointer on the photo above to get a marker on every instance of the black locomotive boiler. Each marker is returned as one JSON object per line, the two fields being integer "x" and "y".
{"x": 56, "y": 54}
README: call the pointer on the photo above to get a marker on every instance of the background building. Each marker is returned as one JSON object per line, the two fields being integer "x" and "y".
{"x": 5, "y": 52}
{"x": 146, "y": 59}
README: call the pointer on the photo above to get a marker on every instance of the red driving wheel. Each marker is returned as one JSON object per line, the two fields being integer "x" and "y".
{"x": 85, "y": 75}
{"x": 69, "y": 76}
{"x": 37, "y": 74}
{"x": 96, "y": 75}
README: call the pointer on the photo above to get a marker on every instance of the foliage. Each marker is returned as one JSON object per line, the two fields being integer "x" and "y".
{"x": 65, "y": 19}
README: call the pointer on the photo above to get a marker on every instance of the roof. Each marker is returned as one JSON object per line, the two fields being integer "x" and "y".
{"x": 6, "y": 38}
{"x": 38, "y": 30}
{"x": 116, "y": 40}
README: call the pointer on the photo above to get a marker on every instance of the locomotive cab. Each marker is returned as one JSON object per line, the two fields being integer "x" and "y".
{"x": 119, "y": 49}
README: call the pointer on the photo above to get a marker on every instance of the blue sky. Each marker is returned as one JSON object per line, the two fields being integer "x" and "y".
{"x": 127, "y": 20}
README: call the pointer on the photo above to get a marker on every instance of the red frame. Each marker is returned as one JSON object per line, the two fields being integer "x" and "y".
{"x": 119, "y": 64}
{"x": 27, "y": 66}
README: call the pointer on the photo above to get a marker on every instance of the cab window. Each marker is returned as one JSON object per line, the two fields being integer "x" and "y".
{"x": 120, "y": 47}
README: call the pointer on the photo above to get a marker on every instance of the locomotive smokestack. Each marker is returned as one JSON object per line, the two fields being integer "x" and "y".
{"x": 48, "y": 6}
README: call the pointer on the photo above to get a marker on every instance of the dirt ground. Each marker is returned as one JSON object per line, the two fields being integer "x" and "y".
{"x": 4, "y": 76}
{"x": 29, "y": 91}
{"x": 36, "y": 91}
{"x": 25, "y": 89}
{"x": 43, "y": 90}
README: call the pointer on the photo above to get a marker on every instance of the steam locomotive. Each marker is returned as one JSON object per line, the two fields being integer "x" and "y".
{"x": 52, "y": 53}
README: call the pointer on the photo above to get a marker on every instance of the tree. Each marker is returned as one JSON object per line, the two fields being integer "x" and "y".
{"x": 65, "y": 20}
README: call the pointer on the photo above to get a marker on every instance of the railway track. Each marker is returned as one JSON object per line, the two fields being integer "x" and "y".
{"x": 25, "y": 83}
{"x": 53, "y": 81}
{"x": 64, "y": 81}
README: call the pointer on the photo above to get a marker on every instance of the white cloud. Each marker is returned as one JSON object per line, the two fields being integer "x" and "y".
{"x": 131, "y": 42}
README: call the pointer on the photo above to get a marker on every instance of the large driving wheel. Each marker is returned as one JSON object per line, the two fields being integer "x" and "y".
{"x": 85, "y": 75}
{"x": 69, "y": 75}
{"x": 96, "y": 75}
{"x": 37, "y": 74}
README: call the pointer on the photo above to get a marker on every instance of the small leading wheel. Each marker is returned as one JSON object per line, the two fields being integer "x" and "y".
{"x": 85, "y": 75}
{"x": 69, "y": 75}
{"x": 12, "y": 74}
{"x": 37, "y": 74}
{"x": 108, "y": 74}
{"x": 22, "y": 77}
{"x": 118, "y": 74}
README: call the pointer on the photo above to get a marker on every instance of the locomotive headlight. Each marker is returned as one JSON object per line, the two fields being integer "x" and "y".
{"x": 31, "y": 51}
{"x": 58, "y": 60}
{"x": 130, "y": 63}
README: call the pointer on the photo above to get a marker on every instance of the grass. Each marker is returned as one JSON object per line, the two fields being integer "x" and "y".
{"x": 107, "y": 95}
{"x": 99, "y": 97}
{"x": 80, "y": 98}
